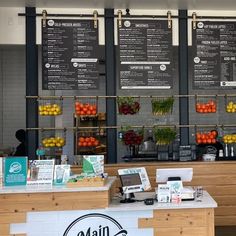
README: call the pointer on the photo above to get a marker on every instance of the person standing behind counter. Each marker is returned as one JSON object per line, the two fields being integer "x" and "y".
{"x": 21, "y": 148}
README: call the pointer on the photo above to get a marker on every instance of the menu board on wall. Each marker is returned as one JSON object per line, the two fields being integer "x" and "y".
{"x": 69, "y": 55}
{"x": 214, "y": 55}
{"x": 146, "y": 54}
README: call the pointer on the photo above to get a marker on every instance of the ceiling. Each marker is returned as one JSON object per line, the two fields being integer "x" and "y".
{"x": 135, "y": 4}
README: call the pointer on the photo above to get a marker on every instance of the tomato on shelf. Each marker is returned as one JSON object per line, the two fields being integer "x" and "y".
{"x": 206, "y": 137}
{"x": 208, "y": 107}
{"x": 88, "y": 142}
{"x": 85, "y": 109}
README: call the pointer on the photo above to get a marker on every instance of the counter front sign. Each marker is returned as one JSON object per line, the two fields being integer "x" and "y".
{"x": 146, "y": 54}
{"x": 69, "y": 55}
{"x": 95, "y": 224}
{"x": 214, "y": 55}
{"x": 15, "y": 171}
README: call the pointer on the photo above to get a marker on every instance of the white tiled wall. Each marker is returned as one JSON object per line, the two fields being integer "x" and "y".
{"x": 12, "y": 93}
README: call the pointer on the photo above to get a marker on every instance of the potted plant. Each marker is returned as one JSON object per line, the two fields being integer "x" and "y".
{"x": 162, "y": 106}
{"x": 128, "y": 105}
{"x": 164, "y": 136}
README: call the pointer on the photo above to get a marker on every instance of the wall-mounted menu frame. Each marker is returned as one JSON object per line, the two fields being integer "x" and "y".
{"x": 69, "y": 55}
{"x": 214, "y": 55}
{"x": 145, "y": 54}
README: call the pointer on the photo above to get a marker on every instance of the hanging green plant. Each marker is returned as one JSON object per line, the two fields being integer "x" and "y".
{"x": 162, "y": 106}
{"x": 164, "y": 136}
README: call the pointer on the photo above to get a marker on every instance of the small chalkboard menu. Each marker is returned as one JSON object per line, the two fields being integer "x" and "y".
{"x": 69, "y": 55}
{"x": 186, "y": 153}
{"x": 146, "y": 54}
{"x": 214, "y": 55}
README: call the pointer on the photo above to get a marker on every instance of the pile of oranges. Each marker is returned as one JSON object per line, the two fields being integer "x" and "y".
{"x": 206, "y": 137}
{"x": 85, "y": 109}
{"x": 88, "y": 142}
{"x": 208, "y": 107}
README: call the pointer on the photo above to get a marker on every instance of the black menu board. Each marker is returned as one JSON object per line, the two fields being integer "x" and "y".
{"x": 146, "y": 55}
{"x": 69, "y": 55}
{"x": 214, "y": 55}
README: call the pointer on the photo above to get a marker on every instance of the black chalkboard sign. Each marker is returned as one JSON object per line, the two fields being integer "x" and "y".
{"x": 214, "y": 55}
{"x": 69, "y": 55}
{"x": 146, "y": 54}
{"x": 186, "y": 153}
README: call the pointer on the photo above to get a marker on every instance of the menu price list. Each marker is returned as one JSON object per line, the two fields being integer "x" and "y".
{"x": 69, "y": 55}
{"x": 214, "y": 55}
{"x": 146, "y": 54}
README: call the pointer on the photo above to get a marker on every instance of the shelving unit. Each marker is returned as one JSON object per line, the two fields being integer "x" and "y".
{"x": 93, "y": 137}
{"x": 95, "y": 125}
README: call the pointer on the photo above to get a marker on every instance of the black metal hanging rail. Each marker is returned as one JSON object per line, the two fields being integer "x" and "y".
{"x": 99, "y": 15}
{"x": 222, "y": 126}
{"x": 128, "y": 16}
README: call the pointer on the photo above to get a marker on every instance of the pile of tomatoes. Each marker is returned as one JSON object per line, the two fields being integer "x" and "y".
{"x": 85, "y": 109}
{"x": 209, "y": 107}
{"x": 88, "y": 142}
{"x": 206, "y": 137}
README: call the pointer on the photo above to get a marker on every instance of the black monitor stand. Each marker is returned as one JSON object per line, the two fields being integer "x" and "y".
{"x": 128, "y": 198}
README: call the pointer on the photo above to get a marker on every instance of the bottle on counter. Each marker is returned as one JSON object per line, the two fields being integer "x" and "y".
{"x": 232, "y": 151}
{"x": 226, "y": 150}
{"x": 221, "y": 153}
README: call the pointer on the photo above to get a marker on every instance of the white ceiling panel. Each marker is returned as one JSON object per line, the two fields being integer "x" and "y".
{"x": 135, "y": 4}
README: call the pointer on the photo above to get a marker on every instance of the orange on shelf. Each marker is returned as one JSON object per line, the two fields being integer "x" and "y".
{"x": 208, "y": 107}
{"x": 85, "y": 109}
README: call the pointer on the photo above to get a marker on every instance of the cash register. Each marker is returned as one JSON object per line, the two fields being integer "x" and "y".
{"x": 177, "y": 174}
{"x": 133, "y": 180}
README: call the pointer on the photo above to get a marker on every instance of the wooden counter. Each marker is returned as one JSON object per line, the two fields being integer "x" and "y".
{"x": 218, "y": 178}
{"x": 16, "y": 202}
{"x": 68, "y": 216}
{"x": 183, "y": 219}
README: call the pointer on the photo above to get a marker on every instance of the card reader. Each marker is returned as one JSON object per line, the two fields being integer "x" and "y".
{"x": 149, "y": 201}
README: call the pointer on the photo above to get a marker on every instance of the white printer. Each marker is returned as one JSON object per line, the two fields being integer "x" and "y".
{"x": 174, "y": 177}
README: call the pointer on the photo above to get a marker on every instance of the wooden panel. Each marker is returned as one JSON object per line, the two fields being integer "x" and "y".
{"x": 222, "y": 190}
{"x": 210, "y": 222}
{"x": 53, "y": 201}
{"x": 226, "y": 200}
{"x": 178, "y": 231}
{"x": 45, "y": 196}
{"x": 225, "y": 220}
{"x": 4, "y": 229}
{"x": 175, "y": 218}
{"x": 18, "y": 235}
{"x": 225, "y": 211}
{"x": 200, "y": 168}
{"x": 76, "y": 204}
{"x": 12, "y": 218}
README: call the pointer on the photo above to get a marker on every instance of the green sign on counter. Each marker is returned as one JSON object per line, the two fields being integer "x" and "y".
{"x": 15, "y": 171}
